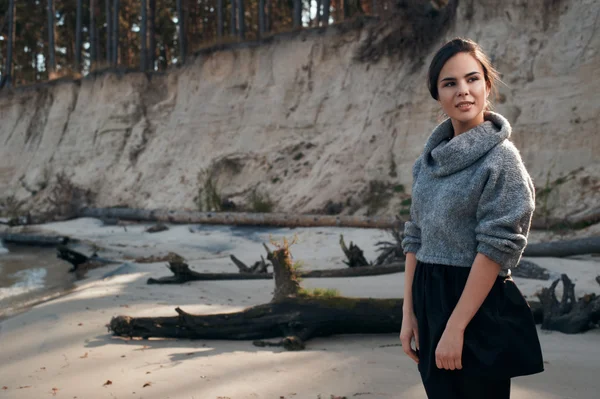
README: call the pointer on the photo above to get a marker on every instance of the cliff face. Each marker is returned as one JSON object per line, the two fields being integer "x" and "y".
{"x": 300, "y": 119}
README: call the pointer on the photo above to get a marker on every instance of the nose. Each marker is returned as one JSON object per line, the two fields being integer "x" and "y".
{"x": 462, "y": 89}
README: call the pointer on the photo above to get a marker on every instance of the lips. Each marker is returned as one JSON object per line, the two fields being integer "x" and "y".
{"x": 464, "y": 105}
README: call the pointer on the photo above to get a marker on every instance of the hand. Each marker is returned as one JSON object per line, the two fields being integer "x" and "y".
{"x": 448, "y": 354}
{"x": 407, "y": 333}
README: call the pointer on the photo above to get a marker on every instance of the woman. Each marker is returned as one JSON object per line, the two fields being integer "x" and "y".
{"x": 470, "y": 216}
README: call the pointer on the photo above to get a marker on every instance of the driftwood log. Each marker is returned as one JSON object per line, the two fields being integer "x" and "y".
{"x": 580, "y": 219}
{"x": 183, "y": 274}
{"x": 391, "y": 251}
{"x": 293, "y": 314}
{"x": 34, "y": 239}
{"x": 240, "y": 218}
{"x": 157, "y": 228}
{"x": 354, "y": 254}
{"x": 287, "y": 283}
{"x": 288, "y": 220}
{"x": 559, "y": 249}
{"x": 569, "y": 315}
{"x": 80, "y": 261}
{"x": 259, "y": 267}
{"x": 527, "y": 269}
{"x": 294, "y": 319}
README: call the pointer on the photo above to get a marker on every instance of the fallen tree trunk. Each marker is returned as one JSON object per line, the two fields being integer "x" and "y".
{"x": 294, "y": 319}
{"x": 183, "y": 274}
{"x": 291, "y": 220}
{"x": 241, "y": 218}
{"x": 259, "y": 267}
{"x": 294, "y": 314}
{"x": 569, "y": 316}
{"x": 527, "y": 269}
{"x": 355, "y": 271}
{"x": 354, "y": 254}
{"x": 37, "y": 240}
{"x": 391, "y": 251}
{"x": 581, "y": 219}
{"x": 81, "y": 262}
{"x": 559, "y": 249}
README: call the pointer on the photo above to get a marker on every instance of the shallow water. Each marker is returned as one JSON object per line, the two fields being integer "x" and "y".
{"x": 29, "y": 275}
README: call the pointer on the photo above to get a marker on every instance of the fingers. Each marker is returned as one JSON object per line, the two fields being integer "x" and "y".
{"x": 406, "y": 339}
{"x": 412, "y": 354}
{"x": 416, "y": 335}
{"x": 448, "y": 361}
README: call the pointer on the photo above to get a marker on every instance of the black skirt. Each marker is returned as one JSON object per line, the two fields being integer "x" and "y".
{"x": 501, "y": 340}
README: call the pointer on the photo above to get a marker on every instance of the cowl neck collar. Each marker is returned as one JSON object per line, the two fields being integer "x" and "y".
{"x": 445, "y": 154}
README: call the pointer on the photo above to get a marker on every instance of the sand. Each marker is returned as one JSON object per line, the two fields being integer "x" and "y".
{"x": 62, "y": 347}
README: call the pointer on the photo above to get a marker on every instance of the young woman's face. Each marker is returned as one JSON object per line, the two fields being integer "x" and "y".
{"x": 462, "y": 90}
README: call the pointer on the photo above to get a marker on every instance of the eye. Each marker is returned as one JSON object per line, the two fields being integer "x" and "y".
{"x": 448, "y": 84}
{"x": 473, "y": 78}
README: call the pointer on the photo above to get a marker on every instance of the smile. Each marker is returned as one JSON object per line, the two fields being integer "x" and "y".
{"x": 465, "y": 105}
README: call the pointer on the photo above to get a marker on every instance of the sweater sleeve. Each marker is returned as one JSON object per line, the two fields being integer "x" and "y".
{"x": 412, "y": 232}
{"x": 504, "y": 211}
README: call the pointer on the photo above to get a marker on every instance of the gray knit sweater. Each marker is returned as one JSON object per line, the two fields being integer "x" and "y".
{"x": 471, "y": 194}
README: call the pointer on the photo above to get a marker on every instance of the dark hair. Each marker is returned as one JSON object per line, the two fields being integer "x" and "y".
{"x": 449, "y": 50}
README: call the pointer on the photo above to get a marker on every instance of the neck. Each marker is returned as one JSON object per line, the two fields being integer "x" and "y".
{"x": 461, "y": 127}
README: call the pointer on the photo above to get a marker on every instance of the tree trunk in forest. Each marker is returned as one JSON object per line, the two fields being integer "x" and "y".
{"x": 152, "y": 34}
{"x": 115, "y": 33}
{"x": 241, "y": 20}
{"x": 261, "y": 18}
{"x": 319, "y": 15}
{"x": 93, "y": 35}
{"x": 127, "y": 53}
{"x": 109, "y": 32}
{"x": 7, "y": 78}
{"x": 269, "y": 19}
{"x": 51, "y": 50}
{"x": 297, "y": 16}
{"x": 219, "y": 18}
{"x": 191, "y": 18}
{"x": 233, "y": 18}
{"x": 79, "y": 16}
{"x": 181, "y": 32}
{"x": 144, "y": 37}
{"x": 326, "y": 7}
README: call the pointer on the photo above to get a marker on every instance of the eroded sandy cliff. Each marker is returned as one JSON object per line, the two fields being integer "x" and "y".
{"x": 300, "y": 119}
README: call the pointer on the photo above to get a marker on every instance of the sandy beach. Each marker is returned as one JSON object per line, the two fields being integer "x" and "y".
{"x": 62, "y": 348}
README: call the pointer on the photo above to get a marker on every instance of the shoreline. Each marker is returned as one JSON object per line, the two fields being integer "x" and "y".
{"x": 65, "y": 339}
